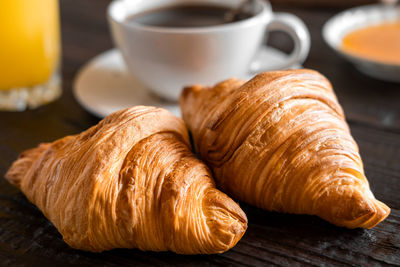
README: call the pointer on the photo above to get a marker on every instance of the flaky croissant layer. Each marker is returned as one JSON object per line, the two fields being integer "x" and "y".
{"x": 280, "y": 142}
{"x": 130, "y": 182}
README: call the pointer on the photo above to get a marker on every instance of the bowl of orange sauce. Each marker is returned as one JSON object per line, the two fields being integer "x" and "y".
{"x": 369, "y": 37}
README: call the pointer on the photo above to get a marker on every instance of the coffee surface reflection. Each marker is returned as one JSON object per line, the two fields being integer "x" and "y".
{"x": 184, "y": 16}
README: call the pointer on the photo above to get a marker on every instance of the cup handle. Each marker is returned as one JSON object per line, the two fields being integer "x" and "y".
{"x": 298, "y": 31}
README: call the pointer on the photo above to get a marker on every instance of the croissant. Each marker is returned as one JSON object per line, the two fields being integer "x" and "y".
{"x": 131, "y": 181}
{"x": 280, "y": 142}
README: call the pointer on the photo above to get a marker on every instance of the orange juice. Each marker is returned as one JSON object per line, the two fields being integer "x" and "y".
{"x": 377, "y": 42}
{"x": 29, "y": 42}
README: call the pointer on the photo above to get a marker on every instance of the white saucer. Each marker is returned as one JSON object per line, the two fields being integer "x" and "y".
{"x": 103, "y": 85}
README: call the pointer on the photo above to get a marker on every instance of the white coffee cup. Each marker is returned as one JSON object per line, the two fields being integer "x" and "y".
{"x": 167, "y": 59}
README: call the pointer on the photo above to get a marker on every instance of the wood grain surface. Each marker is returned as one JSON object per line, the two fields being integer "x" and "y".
{"x": 373, "y": 111}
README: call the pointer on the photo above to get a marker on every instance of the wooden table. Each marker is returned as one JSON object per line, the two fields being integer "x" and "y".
{"x": 373, "y": 112}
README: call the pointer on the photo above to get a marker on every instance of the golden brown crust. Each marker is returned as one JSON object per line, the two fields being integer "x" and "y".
{"x": 280, "y": 142}
{"x": 130, "y": 182}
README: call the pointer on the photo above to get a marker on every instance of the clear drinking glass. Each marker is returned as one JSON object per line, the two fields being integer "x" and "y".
{"x": 29, "y": 53}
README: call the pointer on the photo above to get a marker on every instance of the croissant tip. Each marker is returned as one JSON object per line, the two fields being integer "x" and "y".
{"x": 189, "y": 90}
{"x": 374, "y": 212}
{"x": 379, "y": 213}
{"x": 358, "y": 211}
{"x": 226, "y": 219}
{"x": 20, "y": 167}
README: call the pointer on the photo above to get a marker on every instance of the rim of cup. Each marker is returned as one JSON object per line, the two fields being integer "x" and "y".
{"x": 264, "y": 13}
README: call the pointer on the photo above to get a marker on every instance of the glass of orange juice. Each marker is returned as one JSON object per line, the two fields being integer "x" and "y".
{"x": 29, "y": 53}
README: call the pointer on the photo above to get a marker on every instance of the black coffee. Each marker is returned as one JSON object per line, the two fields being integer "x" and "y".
{"x": 185, "y": 16}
